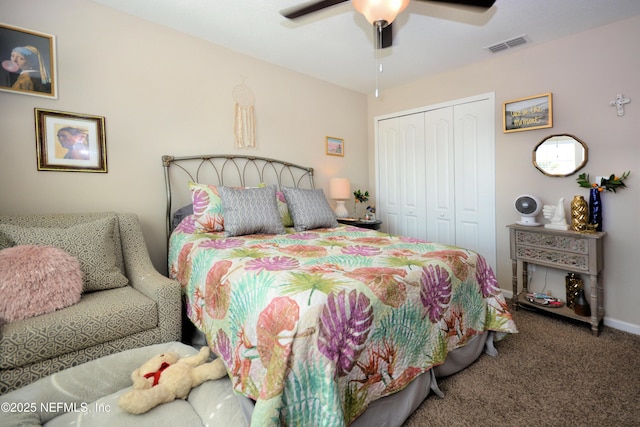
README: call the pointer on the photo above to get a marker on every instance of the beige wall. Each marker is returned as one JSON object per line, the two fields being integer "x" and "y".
{"x": 584, "y": 72}
{"x": 161, "y": 92}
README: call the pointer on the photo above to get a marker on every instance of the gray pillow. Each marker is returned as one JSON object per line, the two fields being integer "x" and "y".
{"x": 181, "y": 214}
{"x": 250, "y": 211}
{"x": 92, "y": 243}
{"x": 309, "y": 209}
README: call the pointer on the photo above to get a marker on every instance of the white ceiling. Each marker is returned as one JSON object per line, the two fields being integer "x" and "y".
{"x": 336, "y": 44}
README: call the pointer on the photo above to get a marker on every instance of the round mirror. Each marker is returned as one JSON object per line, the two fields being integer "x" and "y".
{"x": 560, "y": 155}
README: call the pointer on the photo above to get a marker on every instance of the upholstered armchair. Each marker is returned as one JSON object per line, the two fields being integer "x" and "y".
{"x": 131, "y": 305}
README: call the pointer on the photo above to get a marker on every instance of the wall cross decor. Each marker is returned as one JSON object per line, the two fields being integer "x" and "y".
{"x": 619, "y": 103}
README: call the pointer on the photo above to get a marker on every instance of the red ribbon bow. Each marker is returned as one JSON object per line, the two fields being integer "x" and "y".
{"x": 156, "y": 374}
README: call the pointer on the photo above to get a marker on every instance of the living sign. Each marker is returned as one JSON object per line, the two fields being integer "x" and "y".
{"x": 528, "y": 116}
{"x": 528, "y": 113}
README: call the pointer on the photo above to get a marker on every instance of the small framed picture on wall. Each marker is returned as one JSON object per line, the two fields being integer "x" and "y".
{"x": 70, "y": 142}
{"x": 534, "y": 112}
{"x": 28, "y": 61}
{"x": 335, "y": 146}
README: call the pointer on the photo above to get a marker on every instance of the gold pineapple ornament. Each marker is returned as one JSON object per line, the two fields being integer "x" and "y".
{"x": 579, "y": 213}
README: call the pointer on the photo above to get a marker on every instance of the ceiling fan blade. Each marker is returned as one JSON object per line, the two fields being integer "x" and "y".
{"x": 485, "y": 4}
{"x": 306, "y": 9}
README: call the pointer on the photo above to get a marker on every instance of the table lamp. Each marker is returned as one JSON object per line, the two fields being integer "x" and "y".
{"x": 340, "y": 190}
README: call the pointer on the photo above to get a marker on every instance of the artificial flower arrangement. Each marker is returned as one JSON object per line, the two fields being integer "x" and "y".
{"x": 612, "y": 183}
{"x": 359, "y": 197}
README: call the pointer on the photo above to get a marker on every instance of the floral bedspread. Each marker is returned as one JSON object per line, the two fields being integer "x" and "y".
{"x": 316, "y": 325}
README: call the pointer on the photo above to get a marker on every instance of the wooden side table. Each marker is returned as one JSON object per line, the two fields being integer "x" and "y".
{"x": 564, "y": 250}
{"x": 371, "y": 225}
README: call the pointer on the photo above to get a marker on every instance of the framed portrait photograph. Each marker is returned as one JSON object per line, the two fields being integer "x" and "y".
{"x": 335, "y": 146}
{"x": 27, "y": 60}
{"x": 70, "y": 142}
{"x": 534, "y": 112}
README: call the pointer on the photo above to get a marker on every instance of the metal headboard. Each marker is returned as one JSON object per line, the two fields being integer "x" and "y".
{"x": 231, "y": 170}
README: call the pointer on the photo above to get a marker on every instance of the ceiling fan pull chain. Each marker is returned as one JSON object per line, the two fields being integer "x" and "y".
{"x": 377, "y": 34}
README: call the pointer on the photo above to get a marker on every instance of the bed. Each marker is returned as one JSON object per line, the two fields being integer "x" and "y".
{"x": 319, "y": 323}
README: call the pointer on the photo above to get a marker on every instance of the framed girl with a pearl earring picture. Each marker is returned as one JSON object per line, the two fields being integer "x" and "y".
{"x": 27, "y": 62}
{"x": 70, "y": 142}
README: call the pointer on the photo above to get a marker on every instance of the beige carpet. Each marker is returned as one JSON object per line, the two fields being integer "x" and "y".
{"x": 552, "y": 373}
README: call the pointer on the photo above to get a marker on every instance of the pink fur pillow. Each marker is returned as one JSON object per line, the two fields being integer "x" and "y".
{"x": 37, "y": 279}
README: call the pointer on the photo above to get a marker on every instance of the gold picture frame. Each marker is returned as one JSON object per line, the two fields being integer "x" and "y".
{"x": 70, "y": 142}
{"x": 28, "y": 60}
{"x": 335, "y": 146}
{"x": 534, "y": 112}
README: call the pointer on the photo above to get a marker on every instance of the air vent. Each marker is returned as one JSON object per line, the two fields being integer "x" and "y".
{"x": 507, "y": 44}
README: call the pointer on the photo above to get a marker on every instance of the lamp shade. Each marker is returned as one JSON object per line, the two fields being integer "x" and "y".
{"x": 339, "y": 189}
{"x": 380, "y": 10}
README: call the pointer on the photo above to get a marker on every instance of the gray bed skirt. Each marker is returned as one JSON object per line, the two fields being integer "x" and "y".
{"x": 393, "y": 410}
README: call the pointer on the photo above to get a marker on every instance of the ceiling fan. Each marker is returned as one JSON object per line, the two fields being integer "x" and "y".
{"x": 380, "y": 13}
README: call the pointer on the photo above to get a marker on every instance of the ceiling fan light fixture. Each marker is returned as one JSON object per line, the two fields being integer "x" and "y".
{"x": 384, "y": 11}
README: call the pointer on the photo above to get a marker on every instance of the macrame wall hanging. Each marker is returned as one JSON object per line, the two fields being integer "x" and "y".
{"x": 245, "y": 121}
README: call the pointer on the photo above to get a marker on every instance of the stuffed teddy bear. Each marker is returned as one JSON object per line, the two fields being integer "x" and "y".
{"x": 167, "y": 377}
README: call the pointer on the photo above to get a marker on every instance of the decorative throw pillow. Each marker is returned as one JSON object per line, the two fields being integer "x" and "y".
{"x": 309, "y": 209}
{"x": 92, "y": 243}
{"x": 180, "y": 214}
{"x": 208, "y": 211}
{"x": 283, "y": 209}
{"x": 250, "y": 211}
{"x": 207, "y": 207}
{"x": 35, "y": 280}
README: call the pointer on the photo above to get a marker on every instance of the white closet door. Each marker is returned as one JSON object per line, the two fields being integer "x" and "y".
{"x": 441, "y": 212}
{"x": 388, "y": 175}
{"x": 436, "y": 174}
{"x": 401, "y": 175}
{"x": 475, "y": 178}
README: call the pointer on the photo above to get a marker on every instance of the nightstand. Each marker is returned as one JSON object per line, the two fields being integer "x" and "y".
{"x": 371, "y": 225}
